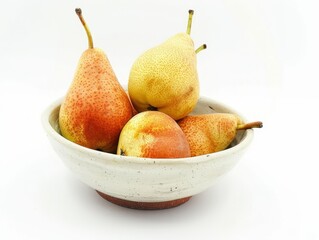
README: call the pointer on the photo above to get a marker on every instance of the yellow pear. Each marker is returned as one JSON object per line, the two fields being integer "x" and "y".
{"x": 153, "y": 134}
{"x": 208, "y": 133}
{"x": 165, "y": 78}
{"x": 96, "y": 107}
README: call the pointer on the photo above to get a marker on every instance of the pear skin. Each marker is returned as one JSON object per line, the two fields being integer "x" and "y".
{"x": 165, "y": 77}
{"x": 96, "y": 107}
{"x": 209, "y": 133}
{"x": 153, "y": 134}
{"x": 134, "y": 111}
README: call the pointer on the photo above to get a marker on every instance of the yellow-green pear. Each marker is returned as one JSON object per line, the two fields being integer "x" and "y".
{"x": 96, "y": 107}
{"x": 165, "y": 78}
{"x": 208, "y": 133}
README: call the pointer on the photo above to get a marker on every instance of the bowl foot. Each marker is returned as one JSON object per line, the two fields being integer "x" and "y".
{"x": 144, "y": 205}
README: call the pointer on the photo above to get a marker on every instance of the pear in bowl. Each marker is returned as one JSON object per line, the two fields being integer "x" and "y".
{"x": 147, "y": 183}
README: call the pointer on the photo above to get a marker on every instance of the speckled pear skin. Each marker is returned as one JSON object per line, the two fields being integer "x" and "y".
{"x": 209, "y": 133}
{"x": 96, "y": 107}
{"x": 165, "y": 78}
{"x": 153, "y": 134}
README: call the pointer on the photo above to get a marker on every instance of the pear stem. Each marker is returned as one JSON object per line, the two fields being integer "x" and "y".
{"x": 87, "y": 30}
{"x": 189, "y": 24}
{"x": 200, "y": 48}
{"x": 245, "y": 126}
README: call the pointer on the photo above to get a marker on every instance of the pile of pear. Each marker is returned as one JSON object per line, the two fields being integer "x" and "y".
{"x": 152, "y": 119}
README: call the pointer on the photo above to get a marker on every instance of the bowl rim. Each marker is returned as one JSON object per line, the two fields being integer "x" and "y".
{"x": 247, "y": 138}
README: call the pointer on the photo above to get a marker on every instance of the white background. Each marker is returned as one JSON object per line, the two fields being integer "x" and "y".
{"x": 262, "y": 59}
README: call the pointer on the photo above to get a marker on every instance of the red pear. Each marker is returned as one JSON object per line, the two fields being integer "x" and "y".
{"x": 96, "y": 107}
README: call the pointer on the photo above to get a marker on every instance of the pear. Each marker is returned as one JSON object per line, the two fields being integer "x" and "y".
{"x": 96, "y": 107}
{"x": 153, "y": 134}
{"x": 165, "y": 78}
{"x": 209, "y": 133}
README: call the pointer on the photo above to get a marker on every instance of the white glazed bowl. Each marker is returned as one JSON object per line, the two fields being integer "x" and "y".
{"x": 122, "y": 179}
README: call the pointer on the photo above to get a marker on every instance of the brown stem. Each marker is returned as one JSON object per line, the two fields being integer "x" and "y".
{"x": 250, "y": 125}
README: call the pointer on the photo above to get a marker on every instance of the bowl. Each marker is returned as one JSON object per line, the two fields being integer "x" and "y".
{"x": 146, "y": 183}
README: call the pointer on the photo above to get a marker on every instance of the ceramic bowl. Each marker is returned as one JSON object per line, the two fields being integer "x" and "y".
{"x": 146, "y": 183}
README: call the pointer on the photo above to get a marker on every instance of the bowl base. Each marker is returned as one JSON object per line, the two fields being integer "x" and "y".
{"x": 144, "y": 205}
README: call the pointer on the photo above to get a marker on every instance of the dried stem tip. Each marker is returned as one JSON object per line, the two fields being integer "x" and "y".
{"x": 78, "y": 11}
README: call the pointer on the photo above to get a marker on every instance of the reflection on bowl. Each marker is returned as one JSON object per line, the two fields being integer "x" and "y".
{"x": 146, "y": 183}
